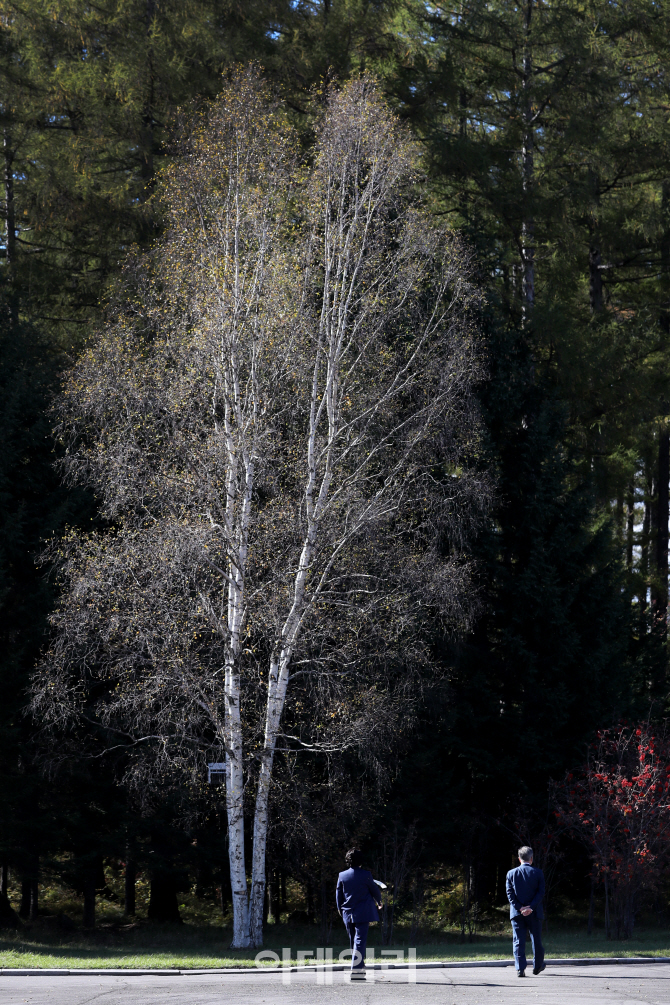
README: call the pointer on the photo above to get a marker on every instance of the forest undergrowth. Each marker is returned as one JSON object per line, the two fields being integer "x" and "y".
{"x": 56, "y": 939}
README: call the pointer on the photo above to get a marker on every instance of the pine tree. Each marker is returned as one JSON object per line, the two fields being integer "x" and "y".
{"x": 94, "y": 92}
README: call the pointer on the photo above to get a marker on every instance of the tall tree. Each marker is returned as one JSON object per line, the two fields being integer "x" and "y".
{"x": 33, "y": 506}
{"x": 297, "y": 395}
{"x": 546, "y": 119}
{"x": 91, "y": 94}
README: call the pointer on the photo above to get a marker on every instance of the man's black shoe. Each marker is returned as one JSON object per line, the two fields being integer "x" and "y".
{"x": 521, "y": 973}
{"x": 538, "y": 970}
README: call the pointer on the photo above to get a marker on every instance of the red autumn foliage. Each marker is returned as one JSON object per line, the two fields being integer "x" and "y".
{"x": 618, "y": 806}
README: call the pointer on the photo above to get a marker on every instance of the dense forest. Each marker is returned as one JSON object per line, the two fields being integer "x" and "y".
{"x": 540, "y": 140}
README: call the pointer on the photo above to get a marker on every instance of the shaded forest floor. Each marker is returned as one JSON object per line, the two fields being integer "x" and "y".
{"x": 188, "y": 946}
{"x": 56, "y": 938}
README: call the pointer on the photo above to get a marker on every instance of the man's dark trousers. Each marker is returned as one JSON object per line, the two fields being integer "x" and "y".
{"x": 358, "y": 938}
{"x": 520, "y": 926}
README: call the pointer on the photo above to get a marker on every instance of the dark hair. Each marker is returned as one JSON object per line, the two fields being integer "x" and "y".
{"x": 354, "y": 858}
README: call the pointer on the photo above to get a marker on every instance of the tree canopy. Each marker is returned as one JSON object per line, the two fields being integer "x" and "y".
{"x": 534, "y": 135}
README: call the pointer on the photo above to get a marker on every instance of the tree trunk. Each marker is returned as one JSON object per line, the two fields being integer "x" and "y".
{"x": 620, "y": 521}
{"x": 274, "y": 887}
{"x": 10, "y": 223}
{"x": 277, "y": 896}
{"x": 664, "y": 317}
{"x": 660, "y": 599}
{"x": 595, "y": 260}
{"x": 235, "y": 812}
{"x": 163, "y": 906}
{"x": 89, "y": 901}
{"x": 257, "y": 897}
{"x": 277, "y": 686}
{"x": 272, "y": 898}
{"x": 233, "y": 715}
{"x": 630, "y": 526}
{"x": 24, "y": 909}
{"x": 595, "y": 280}
{"x": 644, "y": 556}
{"x": 589, "y": 927}
{"x": 345, "y": 249}
{"x": 4, "y": 879}
{"x": 225, "y": 890}
{"x": 278, "y": 676}
{"x": 34, "y": 899}
{"x": 660, "y": 579}
{"x": 8, "y": 916}
{"x": 29, "y": 890}
{"x": 418, "y": 891}
{"x": 130, "y": 876}
{"x": 10, "y": 210}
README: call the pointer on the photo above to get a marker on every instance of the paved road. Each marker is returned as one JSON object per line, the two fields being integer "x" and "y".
{"x": 619, "y": 985}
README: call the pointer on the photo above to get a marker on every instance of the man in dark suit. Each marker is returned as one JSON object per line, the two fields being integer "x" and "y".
{"x": 525, "y": 890}
{"x": 358, "y": 898}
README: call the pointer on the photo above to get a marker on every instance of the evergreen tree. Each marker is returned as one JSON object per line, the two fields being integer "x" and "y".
{"x": 552, "y": 658}
{"x": 33, "y": 505}
{"x": 93, "y": 92}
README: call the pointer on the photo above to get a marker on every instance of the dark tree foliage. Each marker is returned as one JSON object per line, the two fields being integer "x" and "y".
{"x": 554, "y": 654}
{"x": 573, "y": 566}
{"x": 33, "y": 505}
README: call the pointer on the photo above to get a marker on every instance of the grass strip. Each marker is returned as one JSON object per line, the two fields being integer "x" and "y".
{"x": 186, "y": 950}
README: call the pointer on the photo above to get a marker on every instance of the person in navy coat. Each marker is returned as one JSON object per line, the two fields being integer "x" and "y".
{"x": 358, "y": 898}
{"x": 525, "y": 890}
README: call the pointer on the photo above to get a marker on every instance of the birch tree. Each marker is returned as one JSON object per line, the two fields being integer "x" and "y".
{"x": 278, "y": 423}
{"x": 390, "y": 363}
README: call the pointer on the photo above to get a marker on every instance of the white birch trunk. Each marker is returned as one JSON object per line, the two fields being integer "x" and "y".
{"x": 235, "y": 811}
{"x": 239, "y": 431}
{"x": 275, "y": 704}
{"x": 278, "y": 682}
{"x": 238, "y": 538}
{"x": 233, "y": 719}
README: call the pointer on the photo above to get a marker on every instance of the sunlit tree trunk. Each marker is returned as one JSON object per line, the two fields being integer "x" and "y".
{"x": 236, "y": 584}
{"x": 10, "y": 222}
{"x": 659, "y": 596}
{"x": 630, "y": 525}
{"x": 10, "y": 212}
{"x": 644, "y": 546}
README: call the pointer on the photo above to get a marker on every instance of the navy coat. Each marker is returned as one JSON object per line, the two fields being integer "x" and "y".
{"x": 357, "y": 896}
{"x": 525, "y": 888}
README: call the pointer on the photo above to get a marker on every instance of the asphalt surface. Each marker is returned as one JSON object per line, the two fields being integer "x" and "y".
{"x": 564, "y": 985}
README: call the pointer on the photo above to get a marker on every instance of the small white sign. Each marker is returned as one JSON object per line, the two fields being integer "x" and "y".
{"x": 216, "y": 768}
